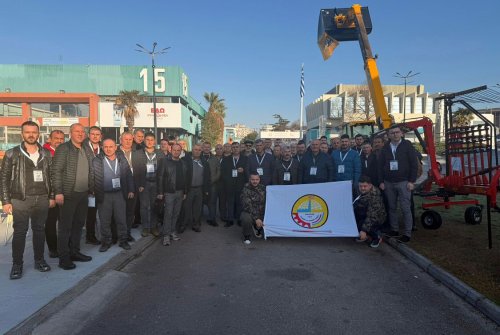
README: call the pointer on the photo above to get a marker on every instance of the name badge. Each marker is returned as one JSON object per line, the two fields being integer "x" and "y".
{"x": 150, "y": 168}
{"x": 313, "y": 170}
{"x": 393, "y": 165}
{"x": 91, "y": 201}
{"x": 286, "y": 176}
{"x": 235, "y": 173}
{"x": 341, "y": 169}
{"x": 37, "y": 175}
{"x": 115, "y": 182}
{"x": 260, "y": 171}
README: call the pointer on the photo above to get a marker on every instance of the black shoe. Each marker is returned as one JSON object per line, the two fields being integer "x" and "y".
{"x": 17, "y": 271}
{"x": 181, "y": 230}
{"x": 53, "y": 254}
{"x": 196, "y": 229}
{"x": 125, "y": 245}
{"x": 403, "y": 239}
{"x": 239, "y": 223}
{"x": 228, "y": 224}
{"x": 92, "y": 240}
{"x": 67, "y": 265}
{"x": 42, "y": 266}
{"x": 392, "y": 233}
{"x": 215, "y": 224}
{"x": 210, "y": 222}
{"x": 130, "y": 238}
{"x": 114, "y": 241}
{"x": 79, "y": 257}
{"x": 104, "y": 247}
{"x": 135, "y": 225}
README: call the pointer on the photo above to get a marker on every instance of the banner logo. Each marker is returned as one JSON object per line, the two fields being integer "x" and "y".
{"x": 310, "y": 211}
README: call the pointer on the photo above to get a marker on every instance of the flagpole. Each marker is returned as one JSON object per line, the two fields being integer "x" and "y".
{"x": 302, "y": 102}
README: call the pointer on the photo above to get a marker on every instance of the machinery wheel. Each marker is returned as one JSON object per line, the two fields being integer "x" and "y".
{"x": 431, "y": 219}
{"x": 473, "y": 215}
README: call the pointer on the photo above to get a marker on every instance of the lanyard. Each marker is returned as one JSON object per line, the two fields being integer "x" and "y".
{"x": 298, "y": 158}
{"x": 235, "y": 161}
{"x": 393, "y": 149}
{"x": 289, "y": 165}
{"x": 197, "y": 161}
{"x": 92, "y": 148}
{"x": 152, "y": 158}
{"x": 26, "y": 154}
{"x": 359, "y": 196}
{"x": 116, "y": 164}
{"x": 257, "y": 158}
{"x": 340, "y": 154}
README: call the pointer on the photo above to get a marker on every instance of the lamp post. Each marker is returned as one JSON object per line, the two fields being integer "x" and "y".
{"x": 405, "y": 78}
{"x": 153, "y": 53}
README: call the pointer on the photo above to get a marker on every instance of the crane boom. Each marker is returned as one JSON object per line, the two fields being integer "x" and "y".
{"x": 339, "y": 24}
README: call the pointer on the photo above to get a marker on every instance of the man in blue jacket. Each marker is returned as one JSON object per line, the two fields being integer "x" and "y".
{"x": 346, "y": 163}
{"x": 315, "y": 166}
{"x": 113, "y": 184}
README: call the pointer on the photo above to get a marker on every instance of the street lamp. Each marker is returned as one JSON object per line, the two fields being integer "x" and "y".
{"x": 152, "y": 53}
{"x": 405, "y": 77}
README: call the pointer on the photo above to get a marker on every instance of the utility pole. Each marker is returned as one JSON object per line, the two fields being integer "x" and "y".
{"x": 405, "y": 78}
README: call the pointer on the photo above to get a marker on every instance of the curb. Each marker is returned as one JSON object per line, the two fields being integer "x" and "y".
{"x": 116, "y": 263}
{"x": 474, "y": 298}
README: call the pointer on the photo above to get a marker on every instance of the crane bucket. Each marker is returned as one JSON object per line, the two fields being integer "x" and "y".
{"x": 339, "y": 24}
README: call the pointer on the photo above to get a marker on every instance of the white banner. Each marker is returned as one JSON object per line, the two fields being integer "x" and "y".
{"x": 310, "y": 210}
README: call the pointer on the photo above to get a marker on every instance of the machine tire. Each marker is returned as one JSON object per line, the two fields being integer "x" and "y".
{"x": 473, "y": 215}
{"x": 431, "y": 219}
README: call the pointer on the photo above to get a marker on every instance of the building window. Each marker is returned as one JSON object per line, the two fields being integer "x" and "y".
{"x": 419, "y": 105}
{"x": 395, "y": 108}
{"x": 11, "y": 109}
{"x": 336, "y": 107}
{"x": 408, "y": 105}
{"x": 59, "y": 110}
{"x": 361, "y": 105}
{"x": 429, "y": 106}
{"x": 10, "y": 137}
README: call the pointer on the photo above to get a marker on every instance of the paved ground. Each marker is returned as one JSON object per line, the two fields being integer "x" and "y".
{"x": 23, "y": 297}
{"x": 210, "y": 283}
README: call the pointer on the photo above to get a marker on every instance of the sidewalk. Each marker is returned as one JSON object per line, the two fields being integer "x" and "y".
{"x": 23, "y": 297}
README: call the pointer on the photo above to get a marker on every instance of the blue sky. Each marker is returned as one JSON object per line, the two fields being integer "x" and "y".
{"x": 250, "y": 52}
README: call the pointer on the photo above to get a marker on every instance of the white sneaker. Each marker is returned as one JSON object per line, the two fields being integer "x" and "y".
{"x": 174, "y": 237}
{"x": 247, "y": 242}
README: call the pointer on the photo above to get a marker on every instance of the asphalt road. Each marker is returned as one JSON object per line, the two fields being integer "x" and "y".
{"x": 210, "y": 283}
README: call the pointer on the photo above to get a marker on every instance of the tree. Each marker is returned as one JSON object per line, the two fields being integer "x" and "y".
{"x": 212, "y": 126}
{"x": 129, "y": 100}
{"x": 462, "y": 117}
{"x": 251, "y": 137}
{"x": 281, "y": 124}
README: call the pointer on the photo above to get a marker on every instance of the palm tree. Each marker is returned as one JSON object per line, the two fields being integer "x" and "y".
{"x": 215, "y": 103}
{"x": 129, "y": 100}
{"x": 212, "y": 129}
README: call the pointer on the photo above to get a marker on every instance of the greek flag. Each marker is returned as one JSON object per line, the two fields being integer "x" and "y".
{"x": 302, "y": 83}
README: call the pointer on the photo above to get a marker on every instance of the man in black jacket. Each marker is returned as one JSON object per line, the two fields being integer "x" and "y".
{"x": 199, "y": 186}
{"x": 71, "y": 176}
{"x": 261, "y": 163}
{"x": 26, "y": 193}
{"x": 286, "y": 170}
{"x": 234, "y": 175}
{"x": 315, "y": 166}
{"x": 145, "y": 170}
{"x": 397, "y": 168}
{"x": 112, "y": 185}
{"x": 94, "y": 143}
{"x": 172, "y": 186}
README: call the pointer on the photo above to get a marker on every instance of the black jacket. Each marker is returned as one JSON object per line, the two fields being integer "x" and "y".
{"x": 12, "y": 175}
{"x": 407, "y": 163}
{"x": 279, "y": 172}
{"x": 167, "y": 176}
{"x": 324, "y": 165}
{"x": 369, "y": 167}
{"x": 232, "y": 184}
{"x": 206, "y": 172}
{"x": 126, "y": 178}
{"x": 267, "y": 165}
{"x": 139, "y": 162}
{"x": 63, "y": 169}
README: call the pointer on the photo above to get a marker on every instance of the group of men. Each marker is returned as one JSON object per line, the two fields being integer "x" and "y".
{"x": 64, "y": 186}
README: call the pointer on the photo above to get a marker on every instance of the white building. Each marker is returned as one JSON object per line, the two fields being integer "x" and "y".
{"x": 346, "y": 103}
